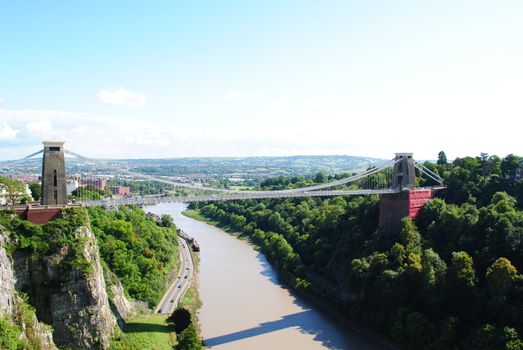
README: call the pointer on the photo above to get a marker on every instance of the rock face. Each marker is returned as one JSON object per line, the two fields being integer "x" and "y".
{"x": 122, "y": 307}
{"x": 80, "y": 312}
{"x": 67, "y": 288}
{"x": 36, "y": 333}
{"x": 7, "y": 278}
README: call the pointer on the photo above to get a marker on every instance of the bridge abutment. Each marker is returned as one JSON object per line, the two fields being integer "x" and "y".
{"x": 396, "y": 206}
{"x": 408, "y": 201}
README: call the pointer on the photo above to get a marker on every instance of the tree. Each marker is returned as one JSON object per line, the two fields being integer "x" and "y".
{"x": 442, "y": 158}
{"x": 167, "y": 220}
{"x": 320, "y": 178}
{"x": 500, "y": 276}
{"x": 510, "y": 165}
{"x": 461, "y": 273}
{"x": 409, "y": 235}
{"x": 36, "y": 190}
{"x": 14, "y": 190}
{"x": 189, "y": 340}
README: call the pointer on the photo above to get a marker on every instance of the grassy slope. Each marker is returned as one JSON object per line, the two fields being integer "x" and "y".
{"x": 145, "y": 332}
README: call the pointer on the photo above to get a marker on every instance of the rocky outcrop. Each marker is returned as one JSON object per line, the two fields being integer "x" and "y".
{"x": 123, "y": 308}
{"x": 12, "y": 306}
{"x": 7, "y": 278}
{"x": 80, "y": 311}
{"x": 67, "y": 289}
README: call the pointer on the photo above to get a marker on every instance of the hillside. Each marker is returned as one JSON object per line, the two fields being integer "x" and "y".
{"x": 74, "y": 282}
{"x": 452, "y": 279}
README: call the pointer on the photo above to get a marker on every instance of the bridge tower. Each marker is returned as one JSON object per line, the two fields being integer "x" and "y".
{"x": 408, "y": 201}
{"x": 404, "y": 176}
{"x": 54, "y": 190}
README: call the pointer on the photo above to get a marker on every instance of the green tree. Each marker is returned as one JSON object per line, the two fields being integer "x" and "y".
{"x": 188, "y": 339}
{"x": 442, "y": 158}
{"x": 510, "y": 165}
{"x": 500, "y": 276}
{"x": 14, "y": 189}
{"x": 409, "y": 235}
{"x": 461, "y": 272}
{"x": 167, "y": 220}
{"x": 320, "y": 178}
{"x": 36, "y": 190}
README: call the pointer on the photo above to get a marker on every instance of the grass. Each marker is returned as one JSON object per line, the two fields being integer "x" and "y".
{"x": 147, "y": 332}
{"x": 195, "y": 214}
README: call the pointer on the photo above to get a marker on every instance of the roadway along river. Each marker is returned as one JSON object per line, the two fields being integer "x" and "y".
{"x": 244, "y": 306}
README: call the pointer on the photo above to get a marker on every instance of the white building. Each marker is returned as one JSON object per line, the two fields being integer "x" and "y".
{"x": 4, "y": 197}
{"x": 71, "y": 185}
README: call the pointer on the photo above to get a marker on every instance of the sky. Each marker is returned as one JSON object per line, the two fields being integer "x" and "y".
{"x": 158, "y": 79}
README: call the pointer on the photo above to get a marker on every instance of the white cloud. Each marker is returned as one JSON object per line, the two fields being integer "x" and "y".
{"x": 234, "y": 95}
{"x": 122, "y": 97}
{"x": 39, "y": 126}
{"x": 2, "y": 99}
{"x": 7, "y": 132}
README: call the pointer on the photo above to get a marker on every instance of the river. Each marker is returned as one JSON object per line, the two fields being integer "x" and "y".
{"x": 244, "y": 305}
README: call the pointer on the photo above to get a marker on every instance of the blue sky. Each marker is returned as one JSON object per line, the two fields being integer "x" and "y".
{"x": 238, "y": 78}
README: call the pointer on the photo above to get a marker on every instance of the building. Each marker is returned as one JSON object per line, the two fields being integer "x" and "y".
{"x": 71, "y": 184}
{"x": 4, "y": 194}
{"x": 99, "y": 183}
{"x": 121, "y": 190}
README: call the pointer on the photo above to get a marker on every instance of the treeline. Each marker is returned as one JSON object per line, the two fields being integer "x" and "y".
{"x": 450, "y": 280}
{"x": 137, "y": 248}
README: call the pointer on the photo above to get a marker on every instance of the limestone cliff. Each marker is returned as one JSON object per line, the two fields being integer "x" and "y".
{"x": 7, "y": 278}
{"x": 67, "y": 288}
{"x": 81, "y": 316}
{"x": 122, "y": 306}
{"x": 34, "y": 333}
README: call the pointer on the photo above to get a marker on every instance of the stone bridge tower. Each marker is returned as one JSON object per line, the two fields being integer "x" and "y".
{"x": 54, "y": 190}
{"x": 408, "y": 201}
{"x": 404, "y": 176}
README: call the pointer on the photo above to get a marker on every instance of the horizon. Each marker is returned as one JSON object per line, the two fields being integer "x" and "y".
{"x": 236, "y": 79}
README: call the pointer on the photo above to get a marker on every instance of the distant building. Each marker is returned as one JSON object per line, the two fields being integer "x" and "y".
{"x": 99, "y": 183}
{"x": 121, "y": 190}
{"x": 4, "y": 197}
{"x": 71, "y": 185}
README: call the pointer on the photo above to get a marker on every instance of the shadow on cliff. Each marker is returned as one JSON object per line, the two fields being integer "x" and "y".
{"x": 305, "y": 321}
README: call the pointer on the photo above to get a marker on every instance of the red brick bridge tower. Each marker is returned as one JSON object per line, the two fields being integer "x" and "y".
{"x": 408, "y": 202}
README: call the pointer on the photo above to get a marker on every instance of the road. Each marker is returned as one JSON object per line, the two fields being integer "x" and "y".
{"x": 174, "y": 293}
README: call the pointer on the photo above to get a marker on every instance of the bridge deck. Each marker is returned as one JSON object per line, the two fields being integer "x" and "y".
{"x": 230, "y": 196}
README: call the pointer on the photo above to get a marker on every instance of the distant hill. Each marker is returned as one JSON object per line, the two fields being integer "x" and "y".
{"x": 260, "y": 166}
{"x": 245, "y": 167}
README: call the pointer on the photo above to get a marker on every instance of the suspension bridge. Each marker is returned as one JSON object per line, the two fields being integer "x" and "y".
{"x": 393, "y": 180}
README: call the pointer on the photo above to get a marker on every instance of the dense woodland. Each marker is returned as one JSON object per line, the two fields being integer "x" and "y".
{"x": 138, "y": 250}
{"x": 450, "y": 280}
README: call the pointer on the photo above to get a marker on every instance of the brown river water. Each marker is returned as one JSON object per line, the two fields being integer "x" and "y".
{"x": 244, "y": 305}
